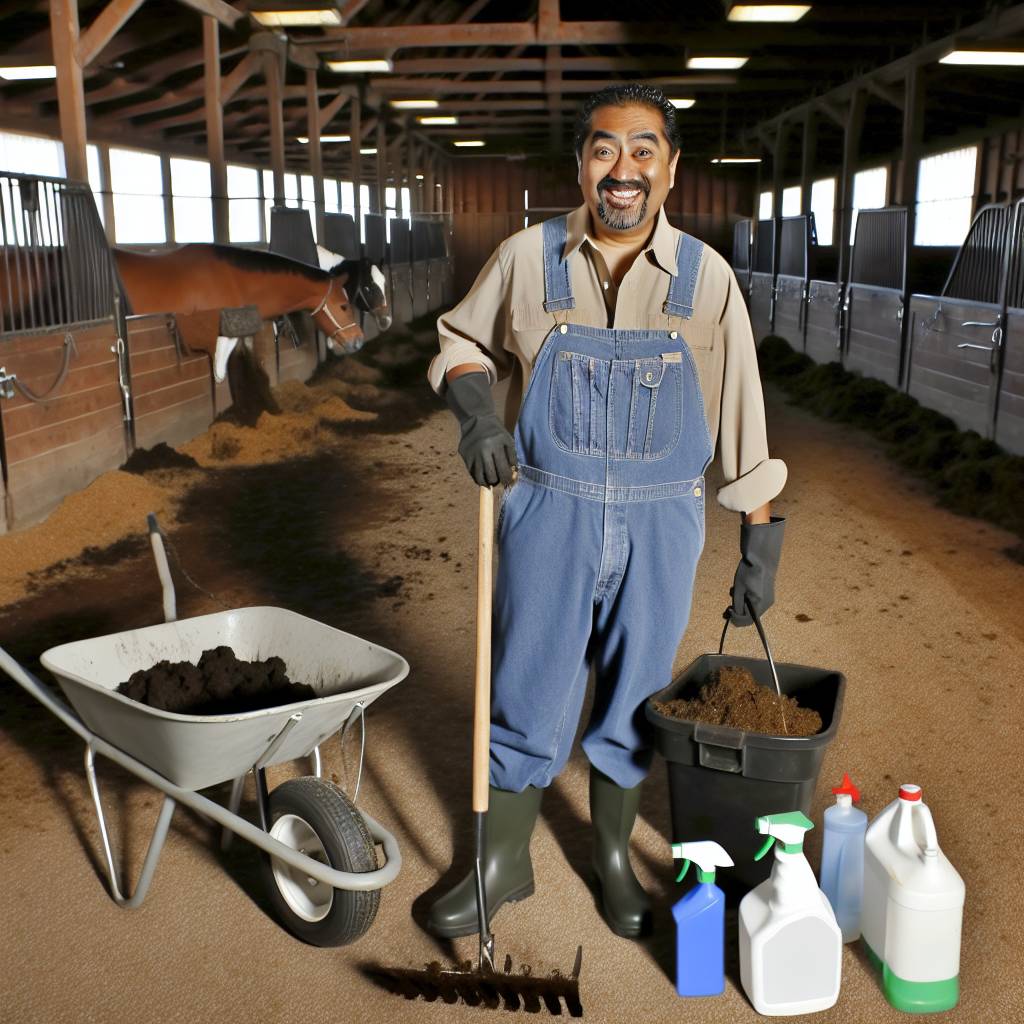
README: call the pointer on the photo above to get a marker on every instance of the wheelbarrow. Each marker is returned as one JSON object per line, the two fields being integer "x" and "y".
{"x": 320, "y": 867}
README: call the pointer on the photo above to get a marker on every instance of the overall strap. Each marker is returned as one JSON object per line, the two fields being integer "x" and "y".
{"x": 557, "y": 289}
{"x": 682, "y": 286}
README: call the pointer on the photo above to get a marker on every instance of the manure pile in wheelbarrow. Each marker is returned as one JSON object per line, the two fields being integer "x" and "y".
{"x": 732, "y": 697}
{"x": 220, "y": 684}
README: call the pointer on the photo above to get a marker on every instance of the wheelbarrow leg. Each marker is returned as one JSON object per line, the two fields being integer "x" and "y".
{"x": 234, "y": 802}
{"x": 156, "y": 843}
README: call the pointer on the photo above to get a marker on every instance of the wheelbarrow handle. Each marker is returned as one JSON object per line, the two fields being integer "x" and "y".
{"x": 761, "y": 634}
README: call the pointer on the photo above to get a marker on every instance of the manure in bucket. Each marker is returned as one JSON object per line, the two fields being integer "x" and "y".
{"x": 732, "y": 697}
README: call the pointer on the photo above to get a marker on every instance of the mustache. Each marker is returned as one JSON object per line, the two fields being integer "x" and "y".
{"x": 607, "y": 182}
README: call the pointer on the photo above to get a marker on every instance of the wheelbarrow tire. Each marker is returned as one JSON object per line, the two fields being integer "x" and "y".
{"x": 315, "y": 815}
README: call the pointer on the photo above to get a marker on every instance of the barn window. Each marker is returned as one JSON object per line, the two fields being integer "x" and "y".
{"x": 31, "y": 154}
{"x": 764, "y": 206}
{"x": 945, "y": 196}
{"x": 308, "y": 189}
{"x": 243, "y": 204}
{"x": 193, "y": 208}
{"x": 136, "y": 180}
{"x": 791, "y": 201}
{"x": 868, "y": 193}
{"x": 823, "y": 206}
{"x": 330, "y": 195}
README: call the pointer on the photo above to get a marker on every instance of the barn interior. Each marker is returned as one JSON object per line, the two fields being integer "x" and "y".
{"x": 861, "y": 168}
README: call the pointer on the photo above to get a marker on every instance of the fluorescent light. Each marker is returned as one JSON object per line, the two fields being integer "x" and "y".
{"x": 438, "y": 120}
{"x": 419, "y": 177}
{"x": 466, "y": 143}
{"x": 304, "y": 139}
{"x": 768, "y": 12}
{"x": 369, "y": 151}
{"x": 736, "y": 160}
{"x": 21, "y": 74}
{"x": 361, "y": 65}
{"x": 992, "y": 58}
{"x": 415, "y": 104}
{"x": 288, "y": 19}
{"x": 716, "y": 63}
{"x": 681, "y": 104}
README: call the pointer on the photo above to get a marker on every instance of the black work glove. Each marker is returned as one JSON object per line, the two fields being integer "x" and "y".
{"x": 760, "y": 547}
{"x": 486, "y": 447}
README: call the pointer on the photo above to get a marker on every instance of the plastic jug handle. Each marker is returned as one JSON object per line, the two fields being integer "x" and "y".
{"x": 931, "y": 839}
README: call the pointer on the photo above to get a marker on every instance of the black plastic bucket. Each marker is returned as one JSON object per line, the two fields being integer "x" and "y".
{"x": 720, "y": 778}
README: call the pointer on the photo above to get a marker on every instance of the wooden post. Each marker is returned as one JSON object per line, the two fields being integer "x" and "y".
{"x": 356, "y": 132}
{"x": 401, "y": 151}
{"x": 70, "y": 91}
{"x": 167, "y": 188}
{"x": 913, "y": 135}
{"x": 107, "y": 193}
{"x": 316, "y": 159}
{"x": 382, "y": 156}
{"x": 808, "y": 159}
{"x": 851, "y": 147}
{"x": 215, "y": 128}
{"x": 272, "y": 73}
{"x": 414, "y": 186}
{"x": 779, "y": 166}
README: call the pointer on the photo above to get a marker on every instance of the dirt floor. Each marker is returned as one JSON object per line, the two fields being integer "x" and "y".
{"x": 356, "y": 510}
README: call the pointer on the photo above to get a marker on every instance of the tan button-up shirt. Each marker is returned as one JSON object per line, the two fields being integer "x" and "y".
{"x": 501, "y": 324}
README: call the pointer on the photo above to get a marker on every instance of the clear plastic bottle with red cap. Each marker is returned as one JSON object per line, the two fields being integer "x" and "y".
{"x": 842, "y": 858}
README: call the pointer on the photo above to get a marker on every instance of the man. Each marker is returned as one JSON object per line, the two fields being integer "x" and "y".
{"x": 629, "y": 351}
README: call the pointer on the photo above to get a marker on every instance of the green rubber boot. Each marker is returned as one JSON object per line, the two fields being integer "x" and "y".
{"x": 623, "y": 902}
{"x": 508, "y": 872}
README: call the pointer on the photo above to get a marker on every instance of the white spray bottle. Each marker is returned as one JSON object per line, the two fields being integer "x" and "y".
{"x": 790, "y": 945}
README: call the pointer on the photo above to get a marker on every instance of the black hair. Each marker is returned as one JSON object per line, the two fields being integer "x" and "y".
{"x": 625, "y": 95}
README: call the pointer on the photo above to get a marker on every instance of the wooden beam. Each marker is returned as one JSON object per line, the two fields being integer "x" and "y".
{"x": 382, "y": 151}
{"x": 885, "y": 92}
{"x": 440, "y": 86}
{"x": 851, "y": 149}
{"x": 215, "y": 130}
{"x": 781, "y": 150}
{"x": 329, "y": 112}
{"x": 351, "y": 9}
{"x": 104, "y": 28}
{"x": 238, "y": 76}
{"x": 355, "y": 133}
{"x": 316, "y": 160}
{"x": 70, "y": 91}
{"x": 224, "y": 13}
{"x": 913, "y": 135}
{"x": 831, "y": 110}
{"x": 272, "y": 76}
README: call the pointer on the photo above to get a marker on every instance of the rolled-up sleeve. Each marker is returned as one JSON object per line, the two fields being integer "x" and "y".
{"x": 751, "y": 477}
{"x": 476, "y": 330}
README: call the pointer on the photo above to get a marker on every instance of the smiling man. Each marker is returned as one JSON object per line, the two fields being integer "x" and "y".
{"x": 631, "y": 359}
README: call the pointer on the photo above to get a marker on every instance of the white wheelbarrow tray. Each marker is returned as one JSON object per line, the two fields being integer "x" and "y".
{"x": 179, "y": 754}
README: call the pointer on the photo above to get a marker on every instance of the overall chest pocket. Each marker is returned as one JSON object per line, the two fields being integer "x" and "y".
{"x": 628, "y": 408}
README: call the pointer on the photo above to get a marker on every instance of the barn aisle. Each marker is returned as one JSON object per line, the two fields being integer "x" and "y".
{"x": 374, "y": 532}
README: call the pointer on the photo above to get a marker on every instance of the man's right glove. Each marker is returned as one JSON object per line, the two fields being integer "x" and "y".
{"x": 760, "y": 547}
{"x": 486, "y": 447}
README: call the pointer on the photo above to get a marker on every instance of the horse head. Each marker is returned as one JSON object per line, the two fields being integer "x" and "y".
{"x": 366, "y": 282}
{"x": 334, "y": 316}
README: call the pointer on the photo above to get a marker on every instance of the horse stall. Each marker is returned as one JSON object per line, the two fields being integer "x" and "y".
{"x": 955, "y": 337}
{"x": 439, "y": 282}
{"x": 823, "y": 313}
{"x": 876, "y": 296}
{"x": 762, "y": 280}
{"x": 400, "y": 271}
{"x": 1010, "y": 402}
{"x": 420, "y": 266}
{"x": 64, "y": 400}
{"x": 291, "y": 235}
{"x": 796, "y": 249}
{"x": 742, "y": 240}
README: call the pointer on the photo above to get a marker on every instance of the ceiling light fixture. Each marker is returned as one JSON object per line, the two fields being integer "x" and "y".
{"x": 736, "y": 160}
{"x": 304, "y": 139}
{"x": 681, "y": 104}
{"x": 419, "y": 177}
{"x": 355, "y": 66}
{"x": 369, "y": 151}
{"x": 468, "y": 143}
{"x": 290, "y": 13}
{"x": 30, "y": 71}
{"x": 766, "y": 12}
{"x": 715, "y": 63}
{"x": 438, "y": 120}
{"x": 988, "y": 58}
{"x": 415, "y": 104}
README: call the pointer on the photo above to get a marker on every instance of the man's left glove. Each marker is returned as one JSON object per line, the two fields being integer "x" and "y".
{"x": 760, "y": 548}
{"x": 486, "y": 447}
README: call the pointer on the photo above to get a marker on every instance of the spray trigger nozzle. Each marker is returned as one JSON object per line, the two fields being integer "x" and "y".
{"x": 706, "y": 854}
{"x": 787, "y": 827}
{"x": 764, "y": 849}
{"x": 682, "y": 874}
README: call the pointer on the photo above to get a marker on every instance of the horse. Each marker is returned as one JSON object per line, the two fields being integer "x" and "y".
{"x": 366, "y": 283}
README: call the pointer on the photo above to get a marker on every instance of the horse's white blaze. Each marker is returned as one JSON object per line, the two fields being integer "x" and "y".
{"x": 377, "y": 275}
{"x": 225, "y": 346}
{"x": 328, "y": 260}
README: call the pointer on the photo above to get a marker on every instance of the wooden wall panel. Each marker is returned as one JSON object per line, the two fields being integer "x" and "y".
{"x": 60, "y": 445}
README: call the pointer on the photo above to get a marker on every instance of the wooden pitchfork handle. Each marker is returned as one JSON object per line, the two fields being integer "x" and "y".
{"x": 482, "y": 719}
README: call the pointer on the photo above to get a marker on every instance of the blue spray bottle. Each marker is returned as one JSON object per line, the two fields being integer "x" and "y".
{"x": 700, "y": 922}
{"x": 842, "y": 858}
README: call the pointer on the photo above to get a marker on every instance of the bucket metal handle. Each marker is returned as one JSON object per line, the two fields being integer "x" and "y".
{"x": 764, "y": 641}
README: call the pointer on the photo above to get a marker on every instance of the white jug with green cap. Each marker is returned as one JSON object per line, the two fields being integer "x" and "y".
{"x": 791, "y": 948}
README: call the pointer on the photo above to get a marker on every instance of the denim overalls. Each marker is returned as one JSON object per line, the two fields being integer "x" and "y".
{"x": 599, "y": 537}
